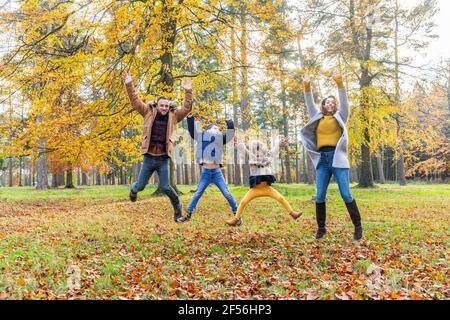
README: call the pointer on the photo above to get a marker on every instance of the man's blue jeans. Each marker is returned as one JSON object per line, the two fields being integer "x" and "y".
{"x": 207, "y": 177}
{"x": 160, "y": 164}
{"x": 323, "y": 175}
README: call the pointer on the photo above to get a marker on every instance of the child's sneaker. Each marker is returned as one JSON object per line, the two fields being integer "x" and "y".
{"x": 235, "y": 222}
{"x": 295, "y": 214}
{"x": 188, "y": 214}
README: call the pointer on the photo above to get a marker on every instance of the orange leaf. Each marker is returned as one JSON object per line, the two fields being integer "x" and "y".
{"x": 175, "y": 283}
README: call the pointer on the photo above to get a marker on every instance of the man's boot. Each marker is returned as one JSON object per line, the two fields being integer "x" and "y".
{"x": 177, "y": 215}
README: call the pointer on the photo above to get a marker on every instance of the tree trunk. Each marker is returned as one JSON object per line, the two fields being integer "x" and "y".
{"x": 84, "y": 179}
{"x": 54, "y": 180}
{"x": 33, "y": 171}
{"x": 283, "y": 174}
{"x": 297, "y": 160}
{"x": 20, "y": 171}
{"x": 285, "y": 121}
{"x": 353, "y": 174}
{"x": 304, "y": 167}
{"x": 229, "y": 173}
{"x": 136, "y": 167}
{"x": 387, "y": 164}
{"x": 448, "y": 84}
{"x": 236, "y": 165}
{"x": 362, "y": 52}
{"x": 122, "y": 177}
{"x": 401, "y": 170}
{"x": 179, "y": 173}
{"x": 400, "y": 161}
{"x": 379, "y": 158}
{"x": 186, "y": 174}
{"x": 10, "y": 170}
{"x": 26, "y": 170}
{"x": 41, "y": 167}
{"x": 244, "y": 92}
{"x": 365, "y": 177}
{"x": 69, "y": 177}
{"x": 78, "y": 177}
{"x": 193, "y": 174}
{"x": 172, "y": 178}
{"x": 29, "y": 176}
{"x": 98, "y": 177}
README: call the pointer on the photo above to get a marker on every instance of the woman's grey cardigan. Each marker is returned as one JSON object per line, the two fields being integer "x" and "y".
{"x": 308, "y": 132}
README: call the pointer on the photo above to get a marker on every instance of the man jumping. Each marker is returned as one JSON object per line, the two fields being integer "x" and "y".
{"x": 160, "y": 121}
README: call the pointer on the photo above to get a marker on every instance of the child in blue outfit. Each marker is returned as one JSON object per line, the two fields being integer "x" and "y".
{"x": 209, "y": 153}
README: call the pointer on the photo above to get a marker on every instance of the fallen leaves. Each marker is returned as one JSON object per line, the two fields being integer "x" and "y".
{"x": 117, "y": 250}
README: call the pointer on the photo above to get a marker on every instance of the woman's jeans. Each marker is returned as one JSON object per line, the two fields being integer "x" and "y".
{"x": 160, "y": 164}
{"x": 207, "y": 177}
{"x": 323, "y": 175}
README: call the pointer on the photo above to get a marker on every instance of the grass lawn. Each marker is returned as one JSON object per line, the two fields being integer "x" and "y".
{"x": 125, "y": 250}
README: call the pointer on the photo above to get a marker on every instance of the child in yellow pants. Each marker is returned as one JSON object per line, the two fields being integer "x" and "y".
{"x": 261, "y": 177}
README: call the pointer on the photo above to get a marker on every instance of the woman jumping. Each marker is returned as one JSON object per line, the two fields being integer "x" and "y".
{"x": 325, "y": 138}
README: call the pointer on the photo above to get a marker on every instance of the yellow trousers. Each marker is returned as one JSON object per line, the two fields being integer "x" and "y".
{"x": 262, "y": 190}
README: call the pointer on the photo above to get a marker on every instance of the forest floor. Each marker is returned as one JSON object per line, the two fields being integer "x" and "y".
{"x": 93, "y": 243}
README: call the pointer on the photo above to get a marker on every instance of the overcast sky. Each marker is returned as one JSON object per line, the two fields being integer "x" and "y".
{"x": 438, "y": 48}
{"x": 441, "y": 47}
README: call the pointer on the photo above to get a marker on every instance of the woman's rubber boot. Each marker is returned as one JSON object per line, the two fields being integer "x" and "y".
{"x": 356, "y": 219}
{"x": 321, "y": 216}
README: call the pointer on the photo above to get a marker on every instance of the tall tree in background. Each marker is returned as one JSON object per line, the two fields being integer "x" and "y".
{"x": 234, "y": 98}
{"x": 411, "y": 28}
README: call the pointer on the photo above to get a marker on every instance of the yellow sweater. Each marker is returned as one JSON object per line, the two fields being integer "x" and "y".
{"x": 328, "y": 132}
